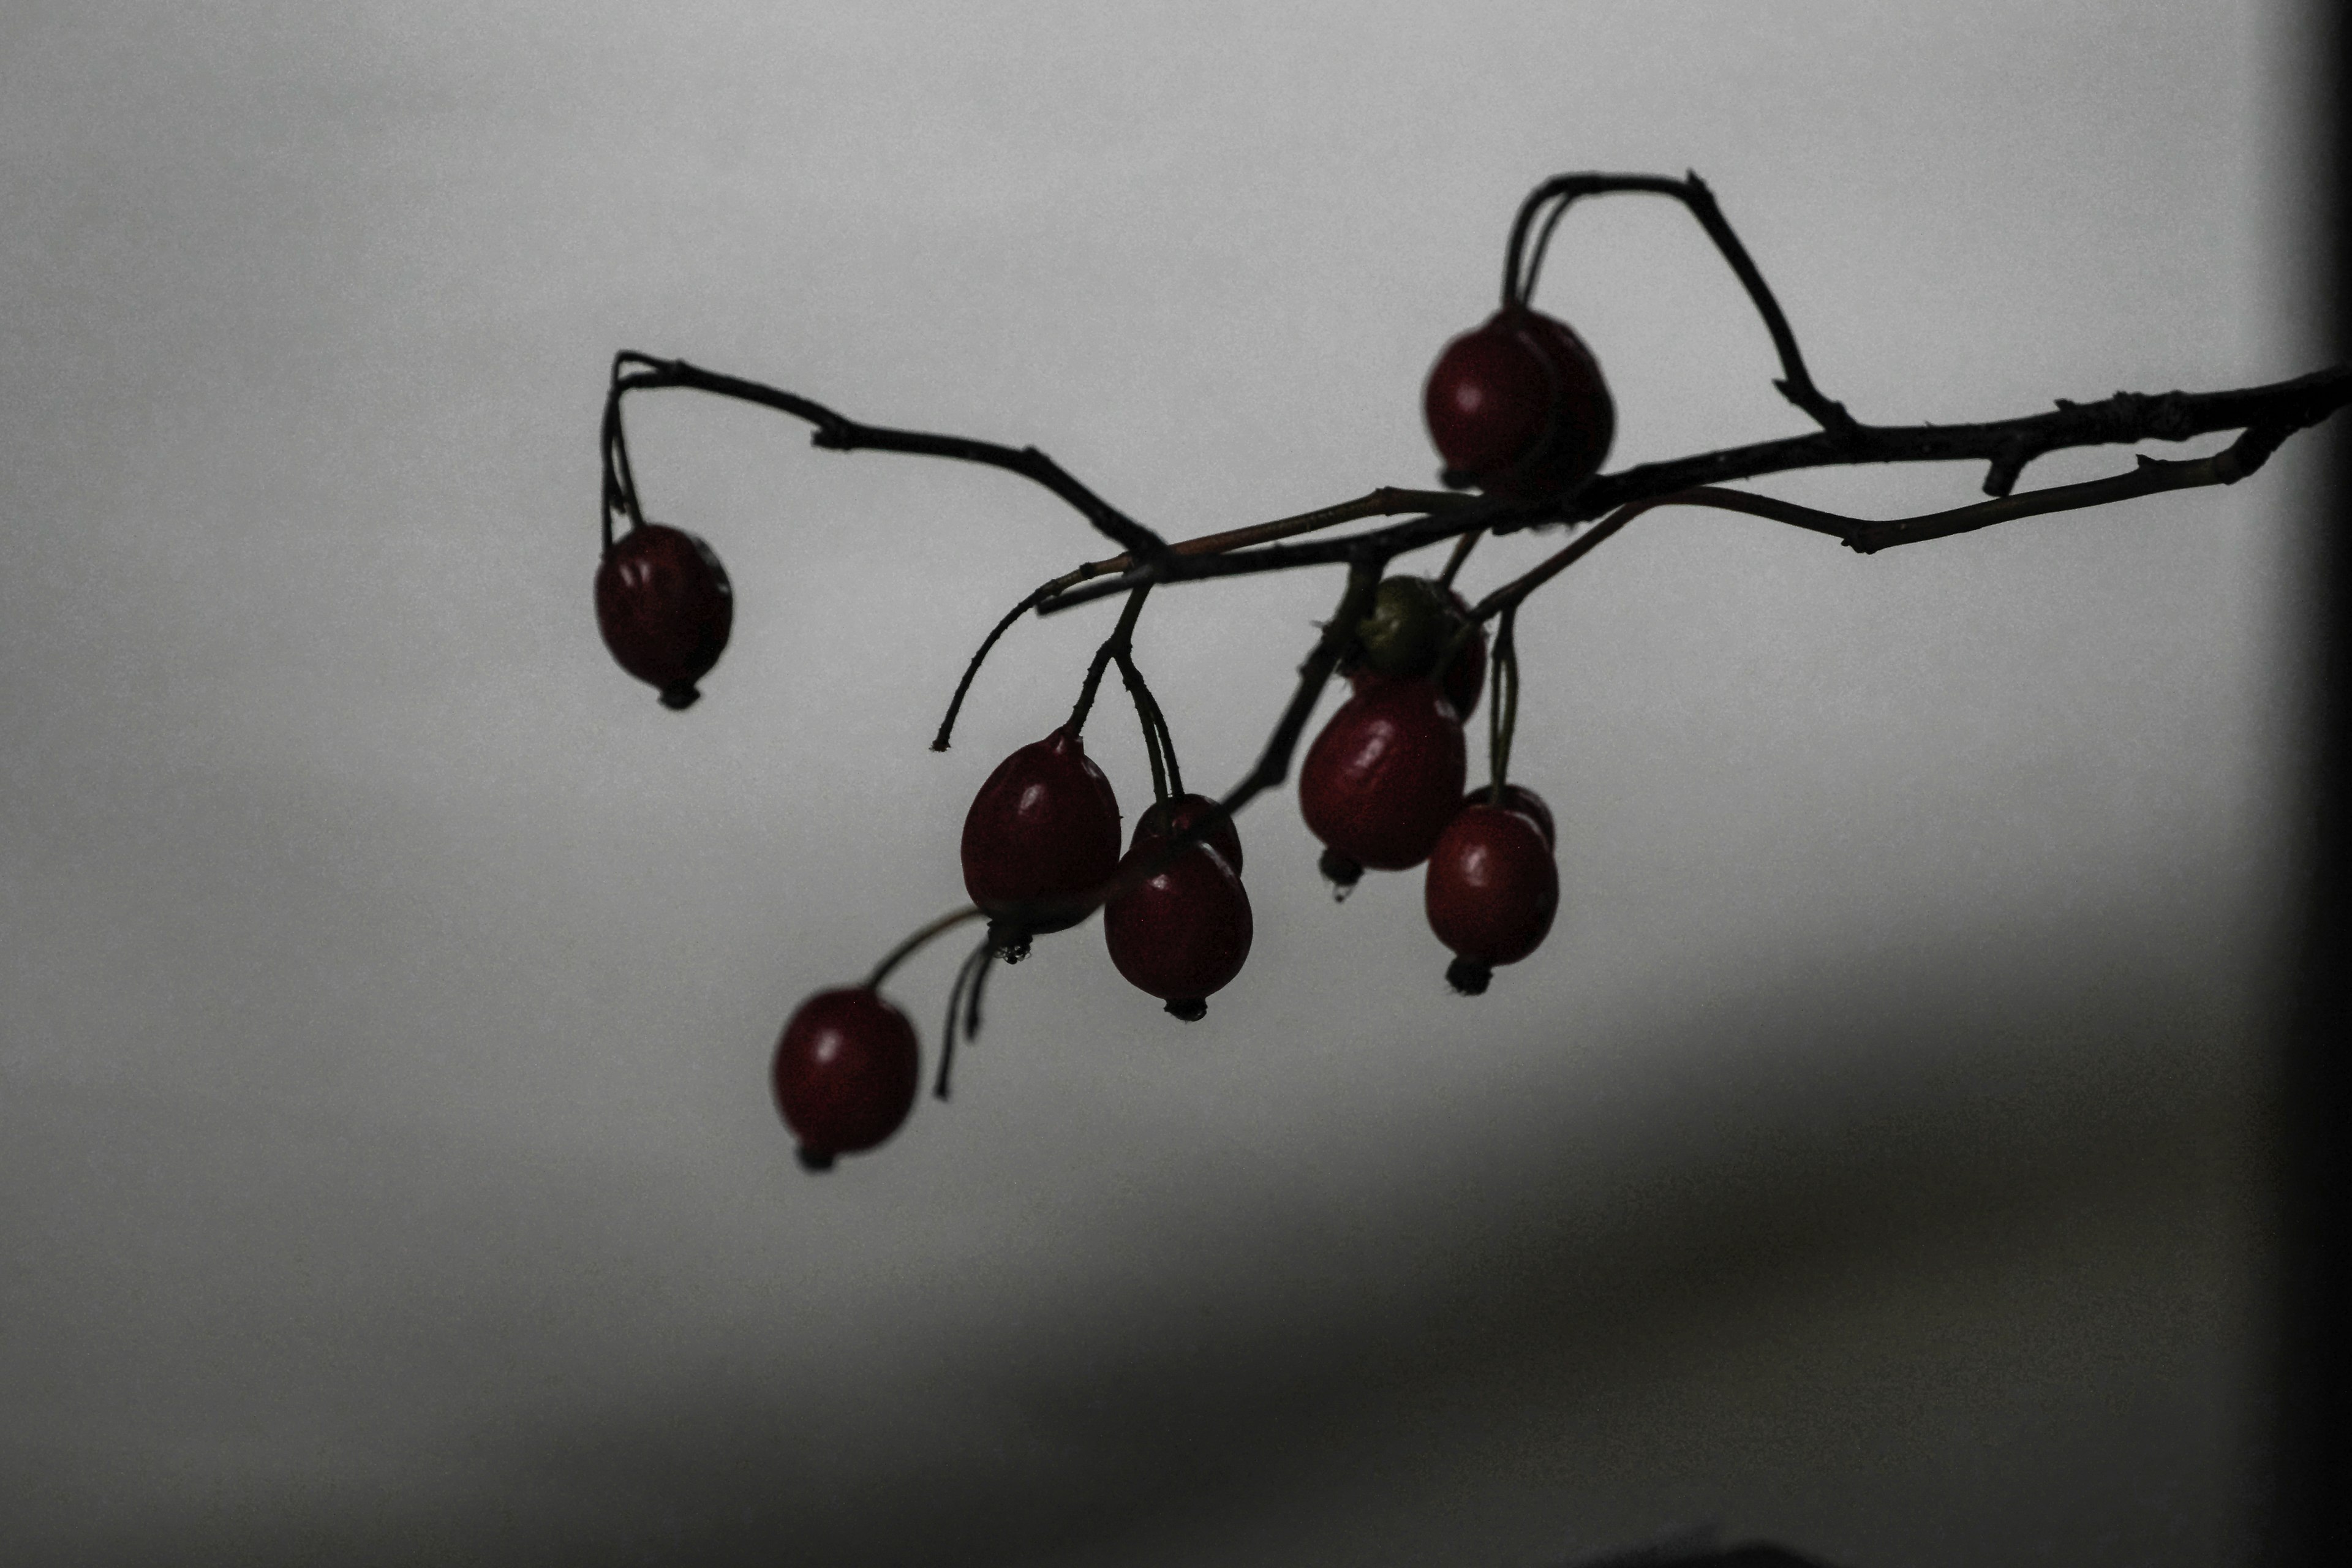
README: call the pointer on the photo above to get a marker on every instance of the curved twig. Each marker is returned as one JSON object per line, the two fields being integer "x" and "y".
{"x": 1796, "y": 383}
{"x": 836, "y": 432}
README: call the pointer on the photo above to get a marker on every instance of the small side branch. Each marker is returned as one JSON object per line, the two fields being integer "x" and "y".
{"x": 1562, "y": 191}
{"x": 634, "y": 372}
{"x": 1386, "y": 501}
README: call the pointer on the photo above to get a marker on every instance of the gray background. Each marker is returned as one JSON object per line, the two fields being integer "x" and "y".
{"x": 386, "y": 1168}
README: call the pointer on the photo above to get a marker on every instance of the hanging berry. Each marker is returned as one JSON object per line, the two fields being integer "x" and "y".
{"x": 1177, "y": 814}
{"x": 1184, "y": 932}
{"x": 845, "y": 1073}
{"x": 1382, "y": 780}
{"x": 1491, "y": 892}
{"x": 1516, "y": 406}
{"x": 1043, "y": 831}
{"x": 1521, "y": 799}
{"x": 665, "y": 607}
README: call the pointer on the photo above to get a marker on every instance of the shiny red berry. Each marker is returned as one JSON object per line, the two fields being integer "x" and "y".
{"x": 1179, "y": 813}
{"x": 1384, "y": 777}
{"x": 1044, "y": 830}
{"x": 845, "y": 1073}
{"x": 1491, "y": 892}
{"x": 664, "y": 607}
{"x": 1517, "y": 408}
{"x": 1183, "y": 934}
{"x": 1523, "y": 800}
{"x": 1489, "y": 398}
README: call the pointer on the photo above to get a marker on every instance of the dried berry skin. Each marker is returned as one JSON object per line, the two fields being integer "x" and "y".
{"x": 845, "y": 1073}
{"x": 1182, "y": 934}
{"x": 1523, "y": 800}
{"x": 665, "y": 607}
{"x": 1492, "y": 888}
{"x": 1168, "y": 817}
{"x": 1042, "y": 829}
{"x": 1384, "y": 777}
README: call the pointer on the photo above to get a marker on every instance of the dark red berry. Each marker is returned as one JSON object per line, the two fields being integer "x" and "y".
{"x": 845, "y": 1073}
{"x": 1384, "y": 777}
{"x": 1178, "y": 813}
{"x": 1523, "y": 800}
{"x": 1517, "y": 406}
{"x": 1489, "y": 398}
{"x": 1584, "y": 417}
{"x": 1491, "y": 892}
{"x": 664, "y": 607}
{"x": 1044, "y": 830}
{"x": 1184, "y": 932}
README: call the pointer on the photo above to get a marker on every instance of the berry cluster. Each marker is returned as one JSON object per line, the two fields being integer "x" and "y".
{"x": 1516, "y": 407}
{"x": 1518, "y": 411}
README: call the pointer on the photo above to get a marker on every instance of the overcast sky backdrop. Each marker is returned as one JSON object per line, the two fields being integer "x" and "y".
{"x": 386, "y": 1168}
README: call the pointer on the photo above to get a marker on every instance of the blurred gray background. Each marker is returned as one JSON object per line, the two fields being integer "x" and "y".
{"x": 387, "y": 1171}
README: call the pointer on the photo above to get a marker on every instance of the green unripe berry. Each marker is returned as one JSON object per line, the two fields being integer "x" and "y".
{"x": 1407, "y": 628}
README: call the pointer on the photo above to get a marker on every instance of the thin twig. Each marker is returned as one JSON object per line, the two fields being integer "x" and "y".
{"x": 1461, "y": 548}
{"x": 1385, "y": 501}
{"x": 898, "y": 954}
{"x": 1796, "y": 383}
{"x": 836, "y": 432}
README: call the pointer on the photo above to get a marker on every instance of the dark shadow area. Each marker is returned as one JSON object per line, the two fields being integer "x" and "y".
{"x": 2076, "y": 1145}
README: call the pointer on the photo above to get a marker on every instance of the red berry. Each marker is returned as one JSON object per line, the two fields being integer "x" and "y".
{"x": 664, "y": 607}
{"x": 1517, "y": 406}
{"x": 1178, "y": 813}
{"x": 1489, "y": 398}
{"x": 845, "y": 1073}
{"x": 1521, "y": 799}
{"x": 1183, "y": 934}
{"x": 1491, "y": 892}
{"x": 1384, "y": 777}
{"x": 1042, "y": 829}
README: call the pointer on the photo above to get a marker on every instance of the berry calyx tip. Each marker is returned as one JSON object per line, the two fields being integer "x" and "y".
{"x": 1468, "y": 978}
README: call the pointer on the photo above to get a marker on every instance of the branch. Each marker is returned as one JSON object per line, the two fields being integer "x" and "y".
{"x": 838, "y": 433}
{"x": 1386, "y": 501}
{"x": 2266, "y": 415}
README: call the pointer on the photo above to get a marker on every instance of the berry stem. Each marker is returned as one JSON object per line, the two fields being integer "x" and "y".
{"x": 1461, "y": 548}
{"x": 961, "y": 1006}
{"x": 1158, "y": 743}
{"x": 907, "y": 949}
{"x": 955, "y": 703}
{"x": 1503, "y": 707}
{"x": 1386, "y": 501}
{"x": 634, "y": 372}
{"x": 1119, "y": 644}
{"x": 1143, "y": 712}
